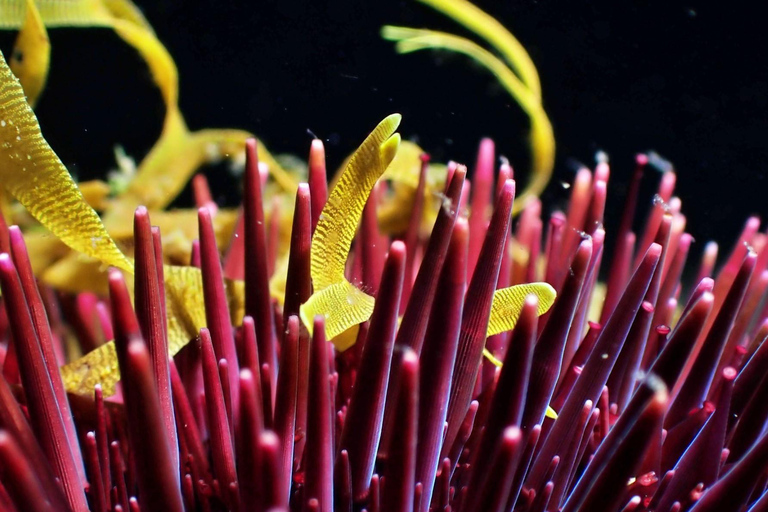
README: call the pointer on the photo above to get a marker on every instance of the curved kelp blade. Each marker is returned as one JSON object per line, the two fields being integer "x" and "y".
{"x": 58, "y": 13}
{"x": 495, "y": 34}
{"x": 508, "y": 302}
{"x": 32, "y": 173}
{"x": 178, "y": 153}
{"x": 339, "y": 301}
{"x": 542, "y": 142}
{"x": 31, "y": 54}
{"x": 186, "y": 316}
{"x": 394, "y": 214}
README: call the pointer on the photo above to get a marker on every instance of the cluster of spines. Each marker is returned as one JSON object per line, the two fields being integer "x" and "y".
{"x": 266, "y": 417}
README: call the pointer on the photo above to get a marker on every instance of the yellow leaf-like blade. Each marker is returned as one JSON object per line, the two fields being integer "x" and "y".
{"x": 342, "y": 304}
{"x": 34, "y": 175}
{"x": 178, "y": 153}
{"x": 186, "y": 316}
{"x": 160, "y": 63}
{"x": 76, "y": 273}
{"x": 31, "y": 54}
{"x": 57, "y": 13}
{"x": 98, "y": 366}
{"x": 542, "y": 142}
{"x": 508, "y": 302}
{"x": 44, "y": 250}
{"x": 180, "y": 224}
{"x": 184, "y": 293}
{"x": 125, "y": 10}
{"x": 341, "y": 214}
{"x": 394, "y": 213}
{"x": 488, "y": 28}
{"x": 406, "y": 165}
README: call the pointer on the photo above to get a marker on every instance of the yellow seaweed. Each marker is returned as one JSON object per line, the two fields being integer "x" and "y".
{"x": 96, "y": 193}
{"x": 31, "y": 54}
{"x": 178, "y": 153}
{"x": 128, "y": 11}
{"x": 508, "y": 302}
{"x": 495, "y": 34}
{"x": 99, "y": 366}
{"x": 57, "y": 13}
{"x": 394, "y": 213}
{"x": 186, "y": 316}
{"x": 76, "y": 273}
{"x": 342, "y": 304}
{"x": 32, "y": 173}
{"x": 524, "y": 86}
{"x": 505, "y": 311}
{"x": 341, "y": 213}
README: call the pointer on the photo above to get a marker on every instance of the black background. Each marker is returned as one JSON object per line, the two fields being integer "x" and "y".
{"x": 688, "y": 80}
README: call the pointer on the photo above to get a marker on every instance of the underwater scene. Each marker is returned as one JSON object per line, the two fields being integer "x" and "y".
{"x": 411, "y": 256}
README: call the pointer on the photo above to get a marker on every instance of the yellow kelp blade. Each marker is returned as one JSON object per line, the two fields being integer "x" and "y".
{"x": 508, "y": 302}
{"x": 492, "y": 358}
{"x": 95, "y": 192}
{"x": 186, "y": 316}
{"x": 505, "y": 310}
{"x": 343, "y": 305}
{"x": 32, "y": 173}
{"x": 406, "y": 165}
{"x": 76, "y": 273}
{"x": 542, "y": 141}
{"x": 394, "y": 213}
{"x": 99, "y": 366}
{"x": 178, "y": 153}
{"x": 341, "y": 213}
{"x": 179, "y": 229}
{"x": 487, "y": 27}
{"x": 128, "y": 11}
{"x": 44, "y": 249}
{"x": 31, "y": 54}
{"x": 57, "y": 13}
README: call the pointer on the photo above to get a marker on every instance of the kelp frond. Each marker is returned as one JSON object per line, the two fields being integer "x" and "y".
{"x": 517, "y": 75}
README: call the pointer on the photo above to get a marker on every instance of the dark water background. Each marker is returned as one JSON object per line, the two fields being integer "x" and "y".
{"x": 689, "y": 80}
